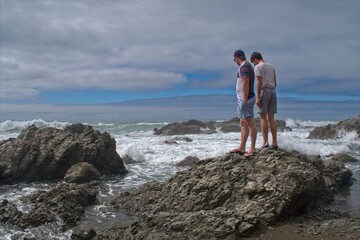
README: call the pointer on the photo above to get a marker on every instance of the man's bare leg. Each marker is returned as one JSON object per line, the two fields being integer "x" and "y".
{"x": 264, "y": 129}
{"x": 244, "y": 134}
{"x": 253, "y": 133}
{"x": 273, "y": 129}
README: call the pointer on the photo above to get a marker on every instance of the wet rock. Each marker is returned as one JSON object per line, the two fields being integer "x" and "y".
{"x": 63, "y": 205}
{"x": 170, "y": 142}
{"x": 83, "y": 232}
{"x": 188, "y": 161}
{"x": 344, "y": 158}
{"x": 336, "y": 175}
{"x": 129, "y": 160}
{"x": 231, "y": 128}
{"x": 9, "y": 213}
{"x": 81, "y": 173}
{"x": 332, "y": 131}
{"x": 182, "y": 139}
{"x": 227, "y": 197}
{"x": 326, "y": 132}
{"x": 198, "y": 127}
{"x": 189, "y": 127}
{"x": 48, "y": 153}
{"x": 175, "y": 140}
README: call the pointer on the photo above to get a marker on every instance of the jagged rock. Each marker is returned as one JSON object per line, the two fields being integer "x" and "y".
{"x": 170, "y": 142}
{"x": 129, "y": 160}
{"x": 227, "y": 197}
{"x": 336, "y": 175}
{"x": 81, "y": 173}
{"x": 231, "y": 128}
{"x": 184, "y": 139}
{"x": 47, "y": 154}
{"x": 344, "y": 158}
{"x": 188, "y": 161}
{"x": 198, "y": 127}
{"x": 83, "y": 232}
{"x": 332, "y": 131}
{"x": 175, "y": 140}
{"x": 189, "y": 127}
{"x": 63, "y": 205}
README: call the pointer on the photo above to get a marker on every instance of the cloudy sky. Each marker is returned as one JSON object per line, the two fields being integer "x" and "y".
{"x": 92, "y": 52}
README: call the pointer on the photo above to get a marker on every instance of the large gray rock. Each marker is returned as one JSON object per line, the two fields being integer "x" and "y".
{"x": 228, "y": 197}
{"x": 48, "y": 153}
{"x": 81, "y": 173}
{"x": 83, "y": 232}
{"x": 198, "y": 127}
{"x": 63, "y": 206}
{"x": 189, "y": 127}
{"x": 332, "y": 131}
{"x": 336, "y": 175}
{"x": 188, "y": 161}
{"x": 344, "y": 158}
{"x": 129, "y": 160}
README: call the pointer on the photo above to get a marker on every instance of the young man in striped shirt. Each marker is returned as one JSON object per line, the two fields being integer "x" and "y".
{"x": 246, "y": 101}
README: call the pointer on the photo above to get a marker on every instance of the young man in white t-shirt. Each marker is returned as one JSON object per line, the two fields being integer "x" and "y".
{"x": 266, "y": 99}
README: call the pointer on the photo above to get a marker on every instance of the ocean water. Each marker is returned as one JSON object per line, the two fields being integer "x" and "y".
{"x": 157, "y": 162}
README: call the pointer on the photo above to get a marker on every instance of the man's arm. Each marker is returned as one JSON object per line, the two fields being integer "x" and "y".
{"x": 258, "y": 90}
{"x": 245, "y": 88}
{"x": 275, "y": 78}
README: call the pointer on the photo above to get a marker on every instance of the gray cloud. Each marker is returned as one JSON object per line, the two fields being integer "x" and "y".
{"x": 151, "y": 45}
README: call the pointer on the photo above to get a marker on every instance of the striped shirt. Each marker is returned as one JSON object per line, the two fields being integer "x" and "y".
{"x": 245, "y": 70}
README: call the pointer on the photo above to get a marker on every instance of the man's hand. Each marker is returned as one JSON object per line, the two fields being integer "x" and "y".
{"x": 258, "y": 102}
{"x": 245, "y": 100}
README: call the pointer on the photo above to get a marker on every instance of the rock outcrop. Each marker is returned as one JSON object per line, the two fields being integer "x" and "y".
{"x": 63, "y": 206}
{"x": 48, "y": 153}
{"x": 81, "y": 173}
{"x": 332, "y": 131}
{"x": 188, "y": 161}
{"x": 344, "y": 158}
{"x": 199, "y": 127}
{"x": 228, "y": 197}
{"x": 129, "y": 160}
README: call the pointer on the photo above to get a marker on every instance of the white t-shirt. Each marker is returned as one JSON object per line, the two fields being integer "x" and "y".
{"x": 267, "y": 72}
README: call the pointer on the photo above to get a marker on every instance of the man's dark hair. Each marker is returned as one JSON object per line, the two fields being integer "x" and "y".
{"x": 240, "y": 54}
{"x": 256, "y": 55}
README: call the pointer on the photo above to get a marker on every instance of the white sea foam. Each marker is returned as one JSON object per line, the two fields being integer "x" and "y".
{"x": 151, "y": 124}
{"x": 9, "y": 125}
{"x": 152, "y": 149}
{"x": 293, "y": 123}
{"x": 105, "y": 124}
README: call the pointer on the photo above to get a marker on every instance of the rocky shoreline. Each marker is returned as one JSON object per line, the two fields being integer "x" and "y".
{"x": 199, "y": 127}
{"x": 276, "y": 194}
{"x": 49, "y": 153}
{"x": 227, "y": 197}
{"x": 230, "y": 196}
{"x": 332, "y": 131}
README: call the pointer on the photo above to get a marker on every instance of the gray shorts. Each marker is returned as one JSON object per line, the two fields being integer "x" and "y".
{"x": 268, "y": 100}
{"x": 246, "y": 110}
